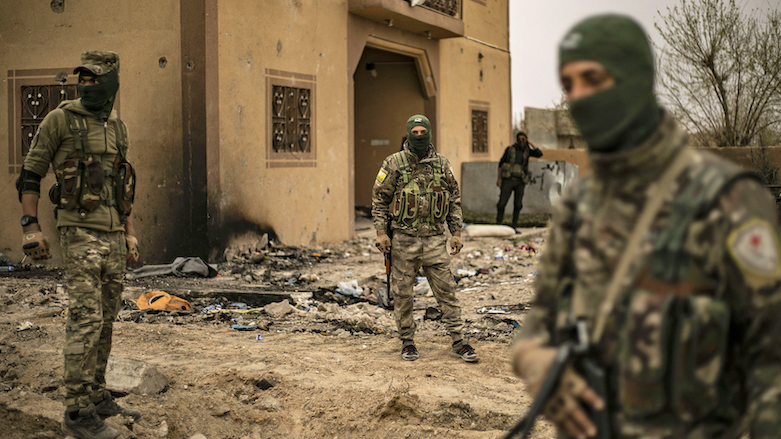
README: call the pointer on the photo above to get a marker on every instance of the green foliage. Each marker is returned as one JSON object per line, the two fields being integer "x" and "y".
{"x": 720, "y": 70}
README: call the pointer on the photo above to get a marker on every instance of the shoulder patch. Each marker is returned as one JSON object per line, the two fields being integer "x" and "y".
{"x": 381, "y": 175}
{"x": 755, "y": 248}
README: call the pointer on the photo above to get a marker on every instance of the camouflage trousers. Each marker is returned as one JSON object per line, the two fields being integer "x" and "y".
{"x": 430, "y": 252}
{"x": 95, "y": 267}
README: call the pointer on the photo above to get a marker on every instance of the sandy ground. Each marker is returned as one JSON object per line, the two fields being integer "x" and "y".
{"x": 330, "y": 368}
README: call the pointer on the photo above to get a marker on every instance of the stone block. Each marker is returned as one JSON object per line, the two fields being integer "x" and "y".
{"x": 125, "y": 375}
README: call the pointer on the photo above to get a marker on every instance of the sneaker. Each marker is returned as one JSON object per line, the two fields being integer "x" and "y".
{"x": 108, "y": 408}
{"x": 87, "y": 425}
{"x": 465, "y": 352}
{"x": 409, "y": 353}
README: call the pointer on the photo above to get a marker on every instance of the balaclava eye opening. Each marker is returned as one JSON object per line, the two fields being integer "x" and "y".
{"x": 626, "y": 114}
{"x": 419, "y": 144}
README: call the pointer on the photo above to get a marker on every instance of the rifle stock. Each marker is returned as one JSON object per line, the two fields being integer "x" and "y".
{"x": 385, "y": 300}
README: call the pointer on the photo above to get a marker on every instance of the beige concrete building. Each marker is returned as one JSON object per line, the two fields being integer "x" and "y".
{"x": 250, "y": 116}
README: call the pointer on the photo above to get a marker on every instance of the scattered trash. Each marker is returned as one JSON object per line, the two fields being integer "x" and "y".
{"x": 25, "y": 325}
{"x": 309, "y": 278}
{"x": 162, "y": 301}
{"x": 259, "y": 337}
{"x": 181, "y": 267}
{"x": 465, "y": 273}
{"x": 422, "y": 288}
{"x": 237, "y": 305}
{"x": 250, "y": 327}
{"x": 491, "y": 310}
{"x": 349, "y": 288}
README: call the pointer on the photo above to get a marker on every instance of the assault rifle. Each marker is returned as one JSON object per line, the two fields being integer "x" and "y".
{"x": 580, "y": 356}
{"x": 385, "y": 298}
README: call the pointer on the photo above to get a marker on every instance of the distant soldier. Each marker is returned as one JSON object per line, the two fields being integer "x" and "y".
{"x": 669, "y": 255}
{"x": 513, "y": 175}
{"x": 86, "y": 144}
{"x": 417, "y": 193}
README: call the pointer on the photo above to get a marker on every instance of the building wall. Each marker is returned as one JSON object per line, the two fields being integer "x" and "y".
{"x": 142, "y": 32}
{"x": 476, "y": 74}
{"x": 199, "y": 119}
{"x": 302, "y": 205}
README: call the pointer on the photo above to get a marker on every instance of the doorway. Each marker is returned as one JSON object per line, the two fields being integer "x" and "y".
{"x": 387, "y": 92}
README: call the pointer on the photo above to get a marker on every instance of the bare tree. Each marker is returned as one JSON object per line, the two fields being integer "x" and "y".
{"x": 720, "y": 69}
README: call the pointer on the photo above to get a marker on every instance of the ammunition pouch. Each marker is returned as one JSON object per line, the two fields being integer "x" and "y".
{"x": 124, "y": 186}
{"x": 671, "y": 355}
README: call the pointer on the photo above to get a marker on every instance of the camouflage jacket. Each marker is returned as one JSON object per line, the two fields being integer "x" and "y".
{"x": 54, "y": 142}
{"x": 432, "y": 195}
{"x": 693, "y": 348}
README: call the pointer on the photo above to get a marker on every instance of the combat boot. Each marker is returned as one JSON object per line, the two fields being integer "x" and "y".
{"x": 87, "y": 425}
{"x": 108, "y": 408}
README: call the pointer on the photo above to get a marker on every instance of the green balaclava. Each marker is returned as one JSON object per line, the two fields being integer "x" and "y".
{"x": 419, "y": 144}
{"x": 626, "y": 114}
{"x": 99, "y": 99}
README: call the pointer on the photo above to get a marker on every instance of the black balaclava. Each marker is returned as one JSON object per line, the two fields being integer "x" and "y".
{"x": 626, "y": 114}
{"x": 98, "y": 99}
{"x": 419, "y": 144}
{"x": 518, "y": 138}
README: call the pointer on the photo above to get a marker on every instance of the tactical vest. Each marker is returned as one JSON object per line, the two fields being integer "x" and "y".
{"x": 80, "y": 184}
{"x": 410, "y": 197}
{"x": 672, "y": 329}
{"x": 513, "y": 169}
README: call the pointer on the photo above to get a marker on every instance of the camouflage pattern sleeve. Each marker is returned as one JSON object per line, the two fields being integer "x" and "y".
{"x": 382, "y": 192}
{"x": 46, "y": 142}
{"x": 455, "y": 217}
{"x": 751, "y": 265}
{"x": 554, "y": 270}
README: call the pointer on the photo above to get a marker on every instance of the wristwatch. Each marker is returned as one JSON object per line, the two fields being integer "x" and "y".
{"x": 28, "y": 219}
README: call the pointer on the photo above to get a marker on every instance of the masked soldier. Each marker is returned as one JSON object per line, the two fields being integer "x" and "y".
{"x": 668, "y": 255}
{"x": 415, "y": 194}
{"x": 514, "y": 175}
{"x": 86, "y": 144}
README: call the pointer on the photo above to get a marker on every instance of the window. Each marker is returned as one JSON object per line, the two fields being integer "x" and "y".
{"x": 290, "y": 119}
{"x": 479, "y": 127}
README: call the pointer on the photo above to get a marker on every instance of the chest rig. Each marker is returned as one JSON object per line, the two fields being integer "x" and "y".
{"x": 423, "y": 194}
{"x": 513, "y": 169}
{"x": 82, "y": 177}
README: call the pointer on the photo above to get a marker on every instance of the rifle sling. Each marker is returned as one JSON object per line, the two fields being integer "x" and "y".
{"x": 659, "y": 192}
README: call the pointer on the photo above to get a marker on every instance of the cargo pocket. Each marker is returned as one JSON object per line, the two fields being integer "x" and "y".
{"x": 644, "y": 354}
{"x": 698, "y": 355}
{"x": 70, "y": 183}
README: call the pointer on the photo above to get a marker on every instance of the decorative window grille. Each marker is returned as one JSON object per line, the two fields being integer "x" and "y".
{"x": 291, "y": 119}
{"x": 291, "y": 102}
{"x": 36, "y": 101}
{"x": 479, "y": 131}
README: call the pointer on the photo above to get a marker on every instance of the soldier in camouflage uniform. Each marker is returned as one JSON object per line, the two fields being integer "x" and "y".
{"x": 416, "y": 193}
{"x": 86, "y": 144}
{"x": 691, "y": 341}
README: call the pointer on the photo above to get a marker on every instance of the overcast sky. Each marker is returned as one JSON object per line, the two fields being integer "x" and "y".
{"x": 537, "y": 26}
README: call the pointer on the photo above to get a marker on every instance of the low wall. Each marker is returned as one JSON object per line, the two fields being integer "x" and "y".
{"x": 479, "y": 193}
